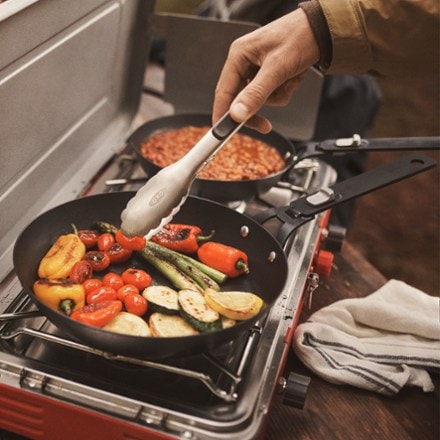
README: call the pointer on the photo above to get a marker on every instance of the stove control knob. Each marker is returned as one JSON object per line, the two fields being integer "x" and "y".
{"x": 335, "y": 237}
{"x": 324, "y": 263}
{"x": 295, "y": 390}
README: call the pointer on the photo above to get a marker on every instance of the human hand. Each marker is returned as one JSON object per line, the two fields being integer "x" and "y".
{"x": 265, "y": 66}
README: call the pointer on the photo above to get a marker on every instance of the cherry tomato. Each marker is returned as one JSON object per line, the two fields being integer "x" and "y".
{"x": 136, "y": 304}
{"x": 135, "y": 243}
{"x": 118, "y": 254}
{"x": 137, "y": 277}
{"x": 89, "y": 237}
{"x": 103, "y": 293}
{"x": 105, "y": 240}
{"x": 99, "y": 260}
{"x": 91, "y": 284}
{"x": 124, "y": 290}
{"x": 81, "y": 271}
{"x": 112, "y": 279}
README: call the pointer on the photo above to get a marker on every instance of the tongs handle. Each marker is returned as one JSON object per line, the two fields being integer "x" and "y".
{"x": 207, "y": 147}
{"x": 155, "y": 204}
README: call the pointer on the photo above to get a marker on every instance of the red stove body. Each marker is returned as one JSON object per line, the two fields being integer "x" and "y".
{"x": 73, "y": 92}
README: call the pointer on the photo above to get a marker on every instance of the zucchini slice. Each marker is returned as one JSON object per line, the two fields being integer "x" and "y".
{"x": 196, "y": 311}
{"x": 161, "y": 299}
{"x": 235, "y": 305}
{"x": 170, "y": 326}
{"x": 128, "y": 324}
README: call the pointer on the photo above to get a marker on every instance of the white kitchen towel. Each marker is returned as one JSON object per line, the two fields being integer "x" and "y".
{"x": 382, "y": 342}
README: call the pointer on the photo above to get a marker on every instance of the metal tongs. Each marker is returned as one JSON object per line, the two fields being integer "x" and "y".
{"x": 156, "y": 203}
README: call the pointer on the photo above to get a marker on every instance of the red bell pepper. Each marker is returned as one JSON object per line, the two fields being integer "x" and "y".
{"x": 227, "y": 259}
{"x": 181, "y": 238}
{"x": 136, "y": 243}
{"x": 97, "y": 314}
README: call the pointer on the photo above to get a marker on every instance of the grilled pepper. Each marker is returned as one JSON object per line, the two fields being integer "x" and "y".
{"x": 61, "y": 257}
{"x": 227, "y": 259}
{"x": 61, "y": 294}
{"x": 181, "y": 238}
{"x": 97, "y": 314}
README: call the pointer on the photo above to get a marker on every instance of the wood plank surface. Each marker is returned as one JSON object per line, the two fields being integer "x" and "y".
{"x": 345, "y": 412}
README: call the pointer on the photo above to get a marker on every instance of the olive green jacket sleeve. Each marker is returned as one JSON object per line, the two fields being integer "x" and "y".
{"x": 392, "y": 38}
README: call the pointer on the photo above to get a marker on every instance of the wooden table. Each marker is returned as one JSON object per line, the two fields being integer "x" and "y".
{"x": 344, "y": 412}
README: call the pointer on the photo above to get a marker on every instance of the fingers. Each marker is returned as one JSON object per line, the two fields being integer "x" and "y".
{"x": 265, "y": 67}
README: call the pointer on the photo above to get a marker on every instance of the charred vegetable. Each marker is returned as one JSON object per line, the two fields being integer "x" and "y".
{"x": 162, "y": 299}
{"x": 195, "y": 310}
{"x": 170, "y": 326}
{"x": 61, "y": 294}
{"x": 181, "y": 238}
{"x": 97, "y": 314}
{"x": 61, "y": 257}
{"x": 128, "y": 324}
{"x": 234, "y": 305}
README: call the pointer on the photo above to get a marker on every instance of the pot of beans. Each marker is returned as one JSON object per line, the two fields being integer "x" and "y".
{"x": 249, "y": 164}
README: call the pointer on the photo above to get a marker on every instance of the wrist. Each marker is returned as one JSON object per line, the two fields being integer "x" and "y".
{"x": 320, "y": 30}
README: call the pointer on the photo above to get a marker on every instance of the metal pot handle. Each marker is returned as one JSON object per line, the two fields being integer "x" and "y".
{"x": 304, "y": 209}
{"x": 356, "y": 143}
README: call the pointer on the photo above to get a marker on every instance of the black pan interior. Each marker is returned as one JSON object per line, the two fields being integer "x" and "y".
{"x": 218, "y": 190}
{"x": 266, "y": 278}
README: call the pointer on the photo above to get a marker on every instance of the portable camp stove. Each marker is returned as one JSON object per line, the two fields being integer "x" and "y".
{"x": 222, "y": 394}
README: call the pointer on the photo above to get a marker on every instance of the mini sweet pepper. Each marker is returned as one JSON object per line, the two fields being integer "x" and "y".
{"x": 181, "y": 238}
{"x": 60, "y": 258}
{"x": 61, "y": 294}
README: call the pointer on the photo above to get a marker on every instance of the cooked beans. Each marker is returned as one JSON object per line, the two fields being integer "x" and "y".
{"x": 242, "y": 158}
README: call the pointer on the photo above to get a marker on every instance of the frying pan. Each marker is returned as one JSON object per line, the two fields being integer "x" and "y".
{"x": 266, "y": 279}
{"x": 218, "y": 190}
{"x": 227, "y": 191}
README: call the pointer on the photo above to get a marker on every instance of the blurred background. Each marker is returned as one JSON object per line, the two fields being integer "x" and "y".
{"x": 395, "y": 228}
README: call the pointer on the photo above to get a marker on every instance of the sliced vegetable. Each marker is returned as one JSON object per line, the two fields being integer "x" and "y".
{"x": 61, "y": 294}
{"x": 170, "y": 326}
{"x": 97, "y": 314}
{"x": 137, "y": 277}
{"x": 88, "y": 237}
{"x": 234, "y": 305}
{"x": 99, "y": 260}
{"x": 61, "y": 257}
{"x": 196, "y": 311}
{"x": 181, "y": 238}
{"x": 105, "y": 240}
{"x": 82, "y": 270}
{"x": 232, "y": 261}
{"x": 128, "y": 324}
{"x": 118, "y": 254}
{"x": 103, "y": 293}
{"x": 227, "y": 322}
{"x": 162, "y": 299}
{"x": 136, "y": 304}
{"x": 135, "y": 243}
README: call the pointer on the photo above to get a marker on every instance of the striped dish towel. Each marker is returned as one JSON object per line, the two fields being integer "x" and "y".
{"x": 382, "y": 342}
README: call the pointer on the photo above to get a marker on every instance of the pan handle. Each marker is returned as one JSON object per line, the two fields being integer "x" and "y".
{"x": 356, "y": 143}
{"x": 304, "y": 209}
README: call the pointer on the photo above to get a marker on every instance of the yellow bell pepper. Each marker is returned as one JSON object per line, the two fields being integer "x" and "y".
{"x": 61, "y": 294}
{"x": 60, "y": 258}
